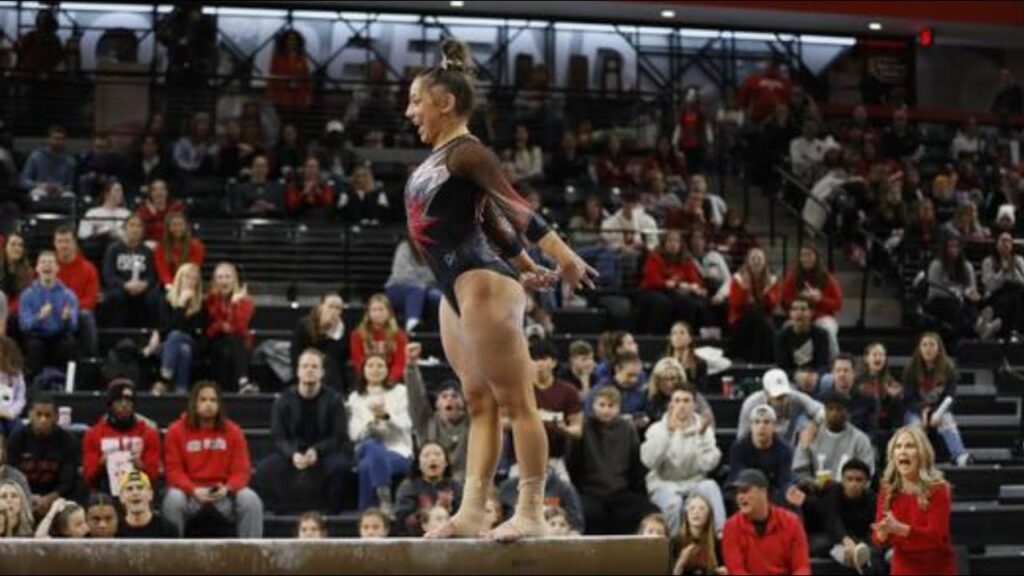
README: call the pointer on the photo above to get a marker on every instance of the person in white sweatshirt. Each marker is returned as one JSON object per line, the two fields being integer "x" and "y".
{"x": 380, "y": 426}
{"x": 680, "y": 453}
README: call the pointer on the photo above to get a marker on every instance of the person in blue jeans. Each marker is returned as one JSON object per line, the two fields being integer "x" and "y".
{"x": 412, "y": 288}
{"x": 380, "y": 426}
{"x": 182, "y": 320}
{"x": 930, "y": 378}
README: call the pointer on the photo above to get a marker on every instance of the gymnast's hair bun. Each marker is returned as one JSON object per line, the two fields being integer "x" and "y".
{"x": 455, "y": 57}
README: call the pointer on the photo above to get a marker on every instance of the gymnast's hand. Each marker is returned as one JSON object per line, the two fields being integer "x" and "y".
{"x": 539, "y": 279}
{"x": 576, "y": 272}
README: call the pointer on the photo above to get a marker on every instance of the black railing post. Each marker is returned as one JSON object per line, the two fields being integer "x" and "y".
{"x": 862, "y": 321}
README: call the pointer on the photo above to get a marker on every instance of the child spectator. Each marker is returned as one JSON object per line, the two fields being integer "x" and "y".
{"x": 373, "y": 523}
{"x": 653, "y": 526}
{"x": 101, "y": 514}
{"x": 311, "y": 527}
{"x": 700, "y": 549}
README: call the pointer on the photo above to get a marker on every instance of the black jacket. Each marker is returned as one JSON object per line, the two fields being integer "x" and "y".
{"x": 50, "y": 463}
{"x": 606, "y": 461}
{"x": 330, "y": 412}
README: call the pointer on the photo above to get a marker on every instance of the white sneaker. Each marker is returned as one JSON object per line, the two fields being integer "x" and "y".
{"x": 964, "y": 459}
{"x": 861, "y": 557}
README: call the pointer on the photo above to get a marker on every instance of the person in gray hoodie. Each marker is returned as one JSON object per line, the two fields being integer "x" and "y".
{"x": 445, "y": 420}
{"x": 129, "y": 278}
{"x": 821, "y": 453}
{"x": 680, "y": 453}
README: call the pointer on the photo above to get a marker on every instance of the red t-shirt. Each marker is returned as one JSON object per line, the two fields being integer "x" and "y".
{"x": 560, "y": 400}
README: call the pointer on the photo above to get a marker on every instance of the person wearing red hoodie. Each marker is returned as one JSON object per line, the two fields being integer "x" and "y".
{"x": 229, "y": 309}
{"x": 809, "y": 279}
{"x": 672, "y": 288}
{"x": 82, "y": 278}
{"x": 753, "y": 296}
{"x": 762, "y": 538}
{"x": 206, "y": 460}
{"x": 119, "y": 430}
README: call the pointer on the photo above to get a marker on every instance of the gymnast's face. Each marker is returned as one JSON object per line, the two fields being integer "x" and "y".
{"x": 429, "y": 108}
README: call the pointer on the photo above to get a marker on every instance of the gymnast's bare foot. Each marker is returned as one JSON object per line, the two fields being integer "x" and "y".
{"x": 517, "y": 528}
{"x": 462, "y": 525}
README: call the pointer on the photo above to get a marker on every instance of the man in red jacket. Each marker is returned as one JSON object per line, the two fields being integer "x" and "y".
{"x": 206, "y": 459}
{"x": 82, "y": 278}
{"x": 117, "y": 431}
{"x": 762, "y": 538}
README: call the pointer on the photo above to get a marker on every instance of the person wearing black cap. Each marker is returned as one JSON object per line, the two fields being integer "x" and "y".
{"x": 119, "y": 430}
{"x": 762, "y": 538}
{"x": 443, "y": 422}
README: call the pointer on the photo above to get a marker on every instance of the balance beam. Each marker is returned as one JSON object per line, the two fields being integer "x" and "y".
{"x": 591, "y": 555}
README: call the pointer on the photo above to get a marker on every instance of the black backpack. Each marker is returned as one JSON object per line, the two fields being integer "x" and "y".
{"x": 124, "y": 361}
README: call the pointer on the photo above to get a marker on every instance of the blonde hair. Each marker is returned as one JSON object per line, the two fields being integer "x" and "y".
{"x": 239, "y": 290}
{"x": 195, "y": 304}
{"x": 929, "y": 477}
{"x": 24, "y": 519}
{"x": 705, "y": 540}
{"x": 391, "y": 328}
{"x": 666, "y": 365}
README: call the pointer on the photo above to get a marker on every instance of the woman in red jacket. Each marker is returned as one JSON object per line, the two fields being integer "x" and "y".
{"x": 229, "y": 309}
{"x": 176, "y": 248}
{"x": 914, "y": 504}
{"x": 311, "y": 198}
{"x": 753, "y": 296}
{"x": 289, "y": 87}
{"x": 671, "y": 289}
{"x": 378, "y": 333}
{"x": 810, "y": 279}
{"x": 206, "y": 460}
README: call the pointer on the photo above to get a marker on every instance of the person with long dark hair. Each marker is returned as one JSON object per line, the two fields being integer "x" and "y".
{"x": 430, "y": 484}
{"x": 671, "y": 288}
{"x": 953, "y": 295}
{"x": 931, "y": 378}
{"x": 1002, "y": 275}
{"x": 753, "y": 296}
{"x": 456, "y": 200}
{"x": 324, "y": 329}
{"x": 811, "y": 280}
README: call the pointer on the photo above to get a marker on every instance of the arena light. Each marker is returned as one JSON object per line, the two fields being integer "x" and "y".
{"x": 398, "y": 18}
{"x": 827, "y": 40}
{"x": 463, "y": 21}
{"x": 315, "y": 15}
{"x": 655, "y": 30}
{"x": 245, "y": 12}
{"x": 90, "y": 7}
{"x": 456, "y": 3}
{"x": 700, "y": 33}
{"x": 762, "y": 37}
{"x": 581, "y": 27}
{"x": 668, "y": 14}
{"x": 875, "y": 26}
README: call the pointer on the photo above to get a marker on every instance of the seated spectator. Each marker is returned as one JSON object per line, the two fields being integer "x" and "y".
{"x": 713, "y": 205}
{"x": 848, "y": 509}
{"x": 694, "y": 215}
{"x": 412, "y": 287}
{"x": 734, "y": 238}
{"x": 658, "y": 200}
{"x": 324, "y": 330}
{"x": 820, "y": 455}
{"x": 12, "y": 389}
{"x": 953, "y": 295}
{"x": 15, "y": 510}
{"x": 965, "y": 225}
{"x": 680, "y": 349}
{"x": 863, "y": 399}
{"x": 373, "y": 523}
{"x": 177, "y": 247}
{"x": 148, "y": 165}
{"x": 378, "y": 333}
{"x": 527, "y": 157}
{"x": 559, "y": 404}
{"x": 118, "y": 434}
{"x": 668, "y": 160}
{"x": 311, "y": 446}
{"x": 289, "y": 153}
{"x": 793, "y": 408}
{"x": 154, "y": 210}
{"x": 49, "y": 172}
{"x": 760, "y": 447}
{"x": 129, "y": 275}
{"x": 381, "y": 429}
{"x": 680, "y": 452}
{"x": 195, "y": 154}
{"x": 871, "y": 386}
{"x": 48, "y": 318}
{"x": 259, "y": 196}
{"x": 632, "y": 402}
{"x": 429, "y": 485}
{"x": 610, "y": 167}
{"x": 364, "y": 202}
{"x": 697, "y": 541}
{"x": 967, "y": 140}
{"x": 606, "y": 469}
{"x": 810, "y": 280}
{"x": 559, "y": 493}
{"x": 101, "y": 515}
{"x": 46, "y": 454}
{"x": 807, "y": 153}
{"x": 944, "y": 197}
{"x": 15, "y": 271}
{"x": 667, "y": 376}
{"x": 557, "y": 522}
{"x": 653, "y": 526}
{"x": 234, "y": 154}
{"x": 671, "y": 289}
{"x": 309, "y": 197}
{"x": 753, "y": 295}
{"x": 312, "y": 527}
{"x": 96, "y": 166}
{"x": 207, "y": 464}
{"x": 66, "y": 519}
{"x": 82, "y": 278}
{"x": 931, "y": 378}
{"x": 569, "y": 166}
{"x": 713, "y": 267}
{"x": 923, "y": 228}
{"x": 801, "y": 348}
{"x": 763, "y": 538}
{"x": 9, "y": 472}
{"x": 889, "y": 221}
{"x": 581, "y": 368}
{"x": 585, "y": 227}
{"x": 445, "y": 422}
{"x": 229, "y": 310}
{"x": 901, "y": 142}
{"x": 629, "y": 232}
{"x": 182, "y": 321}
{"x": 104, "y": 224}
{"x": 140, "y": 522}
{"x": 609, "y": 346}
{"x": 1002, "y": 275}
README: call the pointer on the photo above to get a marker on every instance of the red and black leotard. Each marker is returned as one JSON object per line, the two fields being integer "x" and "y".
{"x": 456, "y": 200}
